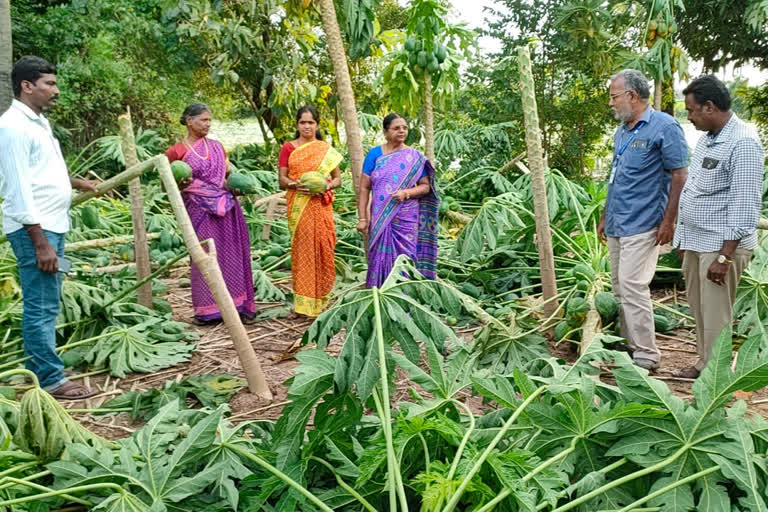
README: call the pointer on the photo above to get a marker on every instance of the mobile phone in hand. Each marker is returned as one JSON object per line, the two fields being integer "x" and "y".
{"x": 65, "y": 265}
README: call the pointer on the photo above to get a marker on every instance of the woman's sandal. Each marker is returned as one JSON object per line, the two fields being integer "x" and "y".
{"x": 72, "y": 391}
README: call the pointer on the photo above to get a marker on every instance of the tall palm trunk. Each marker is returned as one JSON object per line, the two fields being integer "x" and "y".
{"x": 140, "y": 245}
{"x": 538, "y": 169}
{"x": 6, "y": 56}
{"x": 429, "y": 118}
{"x": 344, "y": 86}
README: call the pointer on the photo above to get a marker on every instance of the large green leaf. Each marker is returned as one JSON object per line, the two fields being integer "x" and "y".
{"x": 150, "y": 465}
{"x": 750, "y": 308}
{"x": 132, "y": 349}
{"x": 497, "y": 216}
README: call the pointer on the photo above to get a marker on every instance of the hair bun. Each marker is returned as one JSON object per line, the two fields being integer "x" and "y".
{"x": 183, "y": 120}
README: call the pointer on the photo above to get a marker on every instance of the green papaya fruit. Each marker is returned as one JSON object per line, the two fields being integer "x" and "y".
{"x": 166, "y": 241}
{"x": 441, "y": 53}
{"x": 607, "y": 305}
{"x": 561, "y": 329}
{"x": 181, "y": 170}
{"x": 90, "y": 216}
{"x": 433, "y": 65}
{"x": 242, "y": 183}
{"x": 421, "y": 60}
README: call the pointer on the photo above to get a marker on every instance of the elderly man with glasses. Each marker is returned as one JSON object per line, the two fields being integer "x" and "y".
{"x": 650, "y": 159}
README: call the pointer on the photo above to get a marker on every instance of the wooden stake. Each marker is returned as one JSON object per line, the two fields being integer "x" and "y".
{"x": 140, "y": 245}
{"x": 209, "y": 268}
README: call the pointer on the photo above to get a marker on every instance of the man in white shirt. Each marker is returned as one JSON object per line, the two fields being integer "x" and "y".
{"x": 37, "y": 191}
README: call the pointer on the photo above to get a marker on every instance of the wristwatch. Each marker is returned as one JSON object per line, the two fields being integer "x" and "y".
{"x": 721, "y": 258}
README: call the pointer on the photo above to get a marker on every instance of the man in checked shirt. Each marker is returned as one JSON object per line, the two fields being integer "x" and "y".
{"x": 719, "y": 210}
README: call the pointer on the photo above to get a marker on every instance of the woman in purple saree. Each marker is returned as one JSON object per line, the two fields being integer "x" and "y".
{"x": 216, "y": 214}
{"x": 399, "y": 183}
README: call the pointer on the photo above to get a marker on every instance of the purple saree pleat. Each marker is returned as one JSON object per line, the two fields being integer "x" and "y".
{"x": 216, "y": 214}
{"x": 409, "y": 227}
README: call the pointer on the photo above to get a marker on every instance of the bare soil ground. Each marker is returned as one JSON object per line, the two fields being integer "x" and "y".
{"x": 277, "y": 340}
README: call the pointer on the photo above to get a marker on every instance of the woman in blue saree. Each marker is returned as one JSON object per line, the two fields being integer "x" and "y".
{"x": 398, "y": 182}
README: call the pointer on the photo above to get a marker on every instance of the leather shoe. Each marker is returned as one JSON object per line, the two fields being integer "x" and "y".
{"x": 646, "y": 363}
{"x": 687, "y": 373}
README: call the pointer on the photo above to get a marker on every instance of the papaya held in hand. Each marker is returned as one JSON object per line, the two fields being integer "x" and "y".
{"x": 242, "y": 183}
{"x": 314, "y": 182}
{"x": 181, "y": 170}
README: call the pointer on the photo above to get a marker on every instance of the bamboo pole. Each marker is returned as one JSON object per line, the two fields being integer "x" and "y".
{"x": 140, "y": 245}
{"x": 538, "y": 168}
{"x": 118, "y": 180}
{"x": 209, "y": 268}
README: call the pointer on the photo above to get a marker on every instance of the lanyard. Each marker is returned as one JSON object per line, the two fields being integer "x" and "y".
{"x": 633, "y": 133}
{"x": 624, "y": 146}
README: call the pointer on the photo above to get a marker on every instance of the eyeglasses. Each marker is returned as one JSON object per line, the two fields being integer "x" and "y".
{"x": 614, "y": 96}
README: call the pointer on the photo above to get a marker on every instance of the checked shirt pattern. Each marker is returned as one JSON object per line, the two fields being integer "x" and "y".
{"x": 722, "y": 196}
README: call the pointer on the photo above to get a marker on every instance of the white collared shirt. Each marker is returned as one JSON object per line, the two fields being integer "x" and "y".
{"x": 34, "y": 181}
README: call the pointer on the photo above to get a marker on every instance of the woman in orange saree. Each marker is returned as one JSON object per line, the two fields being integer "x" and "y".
{"x": 310, "y": 216}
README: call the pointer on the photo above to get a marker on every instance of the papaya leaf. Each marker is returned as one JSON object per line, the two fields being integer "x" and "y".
{"x": 496, "y": 216}
{"x": 131, "y": 349}
{"x": 147, "y": 465}
{"x": 263, "y": 289}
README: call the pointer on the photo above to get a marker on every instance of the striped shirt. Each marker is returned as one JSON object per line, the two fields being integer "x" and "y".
{"x": 722, "y": 196}
{"x": 34, "y": 181}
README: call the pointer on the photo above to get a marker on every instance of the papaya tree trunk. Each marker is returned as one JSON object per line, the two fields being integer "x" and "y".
{"x": 118, "y": 180}
{"x": 429, "y": 118}
{"x": 592, "y": 325}
{"x": 140, "y": 245}
{"x": 344, "y": 86}
{"x": 538, "y": 186}
{"x": 657, "y": 87}
{"x": 6, "y": 56}
{"x": 100, "y": 243}
{"x": 668, "y": 96}
{"x": 208, "y": 265}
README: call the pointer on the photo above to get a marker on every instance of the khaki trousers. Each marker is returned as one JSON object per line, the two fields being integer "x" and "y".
{"x": 710, "y": 303}
{"x": 633, "y": 263}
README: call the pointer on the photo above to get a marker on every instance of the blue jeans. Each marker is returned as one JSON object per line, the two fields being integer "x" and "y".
{"x": 42, "y": 295}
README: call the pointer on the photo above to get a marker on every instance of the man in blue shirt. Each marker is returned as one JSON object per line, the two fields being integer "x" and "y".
{"x": 37, "y": 191}
{"x": 650, "y": 158}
